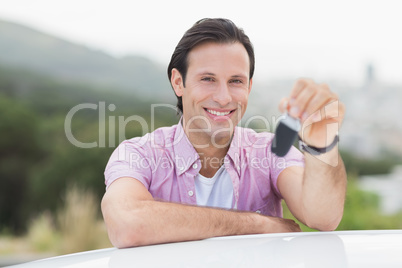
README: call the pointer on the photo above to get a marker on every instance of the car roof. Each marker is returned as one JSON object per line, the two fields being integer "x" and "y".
{"x": 313, "y": 249}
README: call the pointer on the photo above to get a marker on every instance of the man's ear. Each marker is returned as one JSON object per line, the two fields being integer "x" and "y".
{"x": 177, "y": 82}
{"x": 250, "y": 85}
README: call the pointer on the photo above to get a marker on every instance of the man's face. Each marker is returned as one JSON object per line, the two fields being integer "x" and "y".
{"x": 217, "y": 89}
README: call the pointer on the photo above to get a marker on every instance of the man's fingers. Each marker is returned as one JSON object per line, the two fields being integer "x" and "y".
{"x": 301, "y": 102}
{"x": 283, "y": 105}
{"x": 299, "y": 86}
{"x": 319, "y": 101}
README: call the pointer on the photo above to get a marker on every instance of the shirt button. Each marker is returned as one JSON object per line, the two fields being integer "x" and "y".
{"x": 181, "y": 168}
{"x": 195, "y": 166}
{"x": 190, "y": 193}
{"x": 258, "y": 211}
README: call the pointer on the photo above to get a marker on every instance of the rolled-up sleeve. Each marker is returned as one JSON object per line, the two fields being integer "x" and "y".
{"x": 128, "y": 160}
{"x": 293, "y": 158}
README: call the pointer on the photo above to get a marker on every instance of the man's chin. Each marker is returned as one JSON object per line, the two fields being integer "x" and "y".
{"x": 222, "y": 134}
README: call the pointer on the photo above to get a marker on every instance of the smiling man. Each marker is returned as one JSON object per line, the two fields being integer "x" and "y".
{"x": 205, "y": 176}
{"x": 214, "y": 95}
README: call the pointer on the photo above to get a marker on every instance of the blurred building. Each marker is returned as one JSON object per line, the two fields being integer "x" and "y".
{"x": 372, "y": 126}
{"x": 388, "y": 187}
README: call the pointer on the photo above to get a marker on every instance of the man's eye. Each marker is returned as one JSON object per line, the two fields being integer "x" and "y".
{"x": 207, "y": 79}
{"x": 236, "y": 81}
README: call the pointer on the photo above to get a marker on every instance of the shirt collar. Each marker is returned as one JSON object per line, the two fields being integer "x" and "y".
{"x": 234, "y": 152}
{"x": 185, "y": 154}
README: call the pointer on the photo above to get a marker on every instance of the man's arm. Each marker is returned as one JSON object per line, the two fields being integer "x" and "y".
{"x": 316, "y": 194}
{"x": 134, "y": 218}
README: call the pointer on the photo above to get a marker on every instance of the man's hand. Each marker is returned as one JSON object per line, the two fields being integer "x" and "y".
{"x": 280, "y": 225}
{"x": 316, "y": 194}
{"x": 319, "y": 109}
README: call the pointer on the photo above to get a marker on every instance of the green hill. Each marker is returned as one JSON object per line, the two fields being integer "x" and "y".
{"x": 21, "y": 46}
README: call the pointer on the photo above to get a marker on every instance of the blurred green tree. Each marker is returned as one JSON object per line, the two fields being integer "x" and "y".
{"x": 19, "y": 151}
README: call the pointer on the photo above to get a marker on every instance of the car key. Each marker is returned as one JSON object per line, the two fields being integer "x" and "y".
{"x": 285, "y": 135}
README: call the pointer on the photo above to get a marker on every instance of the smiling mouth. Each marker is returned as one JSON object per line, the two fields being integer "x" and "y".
{"x": 218, "y": 113}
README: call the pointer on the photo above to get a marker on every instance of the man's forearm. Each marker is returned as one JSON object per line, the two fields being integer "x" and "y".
{"x": 161, "y": 222}
{"x": 324, "y": 190}
{"x": 153, "y": 222}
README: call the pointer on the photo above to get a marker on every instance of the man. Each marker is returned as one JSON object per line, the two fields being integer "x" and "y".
{"x": 205, "y": 177}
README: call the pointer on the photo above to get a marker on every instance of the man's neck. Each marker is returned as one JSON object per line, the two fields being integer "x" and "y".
{"x": 211, "y": 151}
{"x": 211, "y": 160}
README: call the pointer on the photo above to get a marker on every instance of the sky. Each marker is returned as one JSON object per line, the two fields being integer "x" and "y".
{"x": 323, "y": 40}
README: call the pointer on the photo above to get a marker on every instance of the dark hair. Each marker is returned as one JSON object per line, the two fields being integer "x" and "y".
{"x": 207, "y": 30}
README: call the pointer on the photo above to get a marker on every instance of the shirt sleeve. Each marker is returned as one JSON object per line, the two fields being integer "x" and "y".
{"x": 293, "y": 158}
{"x": 128, "y": 160}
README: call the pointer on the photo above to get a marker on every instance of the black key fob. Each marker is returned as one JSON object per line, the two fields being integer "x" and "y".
{"x": 285, "y": 135}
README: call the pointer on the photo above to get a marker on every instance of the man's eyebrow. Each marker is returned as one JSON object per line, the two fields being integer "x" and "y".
{"x": 206, "y": 73}
{"x": 239, "y": 76}
{"x": 233, "y": 76}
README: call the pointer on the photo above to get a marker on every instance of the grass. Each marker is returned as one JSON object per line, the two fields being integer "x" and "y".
{"x": 79, "y": 224}
{"x": 76, "y": 227}
{"x": 42, "y": 235}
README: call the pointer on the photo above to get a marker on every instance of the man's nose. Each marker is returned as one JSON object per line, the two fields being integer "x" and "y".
{"x": 222, "y": 95}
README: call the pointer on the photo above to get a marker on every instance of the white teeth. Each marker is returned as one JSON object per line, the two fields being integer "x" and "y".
{"x": 218, "y": 113}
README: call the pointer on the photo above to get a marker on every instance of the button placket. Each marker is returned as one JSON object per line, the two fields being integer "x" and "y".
{"x": 190, "y": 187}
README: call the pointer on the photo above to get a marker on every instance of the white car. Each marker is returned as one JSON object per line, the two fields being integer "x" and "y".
{"x": 338, "y": 249}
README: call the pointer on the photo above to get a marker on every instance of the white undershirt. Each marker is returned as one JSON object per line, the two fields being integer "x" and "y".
{"x": 216, "y": 191}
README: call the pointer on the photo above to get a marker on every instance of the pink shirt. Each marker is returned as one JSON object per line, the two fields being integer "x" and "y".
{"x": 166, "y": 163}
